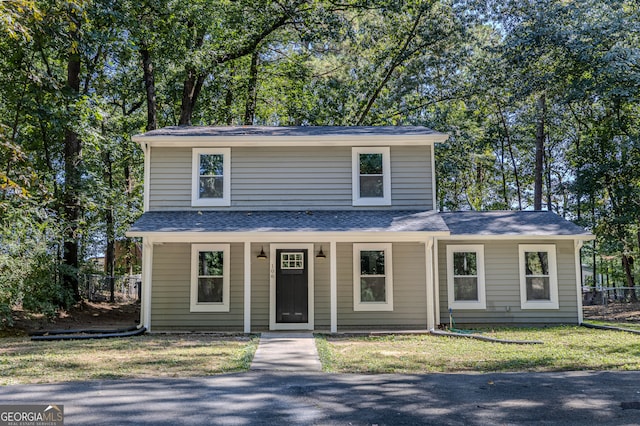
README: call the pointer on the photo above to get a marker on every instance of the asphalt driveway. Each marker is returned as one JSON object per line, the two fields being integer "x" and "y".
{"x": 261, "y": 398}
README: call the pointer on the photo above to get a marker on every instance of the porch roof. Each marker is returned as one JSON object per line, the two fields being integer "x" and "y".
{"x": 512, "y": 223}
{"x": 289, "y": 221}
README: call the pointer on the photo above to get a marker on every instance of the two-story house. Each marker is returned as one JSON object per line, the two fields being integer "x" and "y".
{"x": 335, "y": 228}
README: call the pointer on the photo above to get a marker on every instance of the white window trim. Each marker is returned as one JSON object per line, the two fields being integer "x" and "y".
{"x": 481, "y": 303}
{"x": 196, "y": 201}
{"x": 210, "y": 306}
{"x": 358, "y": 304}
{"x": 552, "y": 303}
{"x": 386, "y": 176}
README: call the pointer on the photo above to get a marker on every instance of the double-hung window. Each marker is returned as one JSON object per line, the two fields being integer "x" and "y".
{"x": 210, "y": 278}
{"x": 211, "y": 180}
{"x": 372, "y": 277}
{"x": 538, "y": 276}
{"x": 371, "y": 176}
{"x": 465, "y": 277}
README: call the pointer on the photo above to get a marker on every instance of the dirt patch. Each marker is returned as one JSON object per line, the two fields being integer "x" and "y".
{"x": 84, "y": 315}
{"x": 620, "y": 312}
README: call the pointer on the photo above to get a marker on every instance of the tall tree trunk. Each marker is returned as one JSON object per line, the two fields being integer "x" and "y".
{"x": 72, "y": 165}
{"x": 541, "y": 108}
{"x": 547, "y": 166}
{"x": 250, "y": 106}
{"x": 150, "y": 87}
{"x": 505, "y": 194}
{"x": 627, "y": 264}
{"x": 507, "y": 135}
{"x": 110, "y": 255}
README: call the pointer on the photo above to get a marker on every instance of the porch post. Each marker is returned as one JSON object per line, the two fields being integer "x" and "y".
{"x": 247, "y": 287}
{"x": 428, "y": 255}
{"x": 147, "y": 267}
{"x": 436, "y": 281}
{"x": 333, "y": 285}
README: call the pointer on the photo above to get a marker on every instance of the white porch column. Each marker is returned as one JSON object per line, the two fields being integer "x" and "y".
{"x": 577, "y": 244}
{"x": 247, "y": 287}
{"x": 436, "y": 281}
{"x": 147, "y": 267}
{"x": 428, "y": 256}
{"x": 333, "y": 285}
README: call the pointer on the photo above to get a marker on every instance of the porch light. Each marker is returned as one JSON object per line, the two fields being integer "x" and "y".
{"x": 262, "y": 255}
{"x": 321, "y": 255}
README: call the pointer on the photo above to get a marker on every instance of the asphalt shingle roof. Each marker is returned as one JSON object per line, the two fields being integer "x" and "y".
{"x": 457, "y": 223}
{"x": 289, "y": 221}
{"x": 223, "y": 131}
{"x": 539, "y": 223}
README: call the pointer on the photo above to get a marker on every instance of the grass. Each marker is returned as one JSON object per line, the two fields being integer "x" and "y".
{"x": 24, "y": 361}
{"x": 564, "y": 348}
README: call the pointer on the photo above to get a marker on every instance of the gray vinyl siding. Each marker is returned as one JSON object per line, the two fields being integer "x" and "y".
{"x": 502, "y": 285}
{"x": 170, "y": 302}
{"x": 322, "y": 290}
{"x": 409, "y": 291}
{"x": 259, "y": 289}
{"x": 290, "y": 178}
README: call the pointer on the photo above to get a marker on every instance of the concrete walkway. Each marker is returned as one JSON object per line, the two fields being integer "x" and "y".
{"x": 284, "y": 351}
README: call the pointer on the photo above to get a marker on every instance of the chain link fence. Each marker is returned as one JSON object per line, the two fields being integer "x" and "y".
{"x": 98, "y": 287}
{"x": 611, "y": 303}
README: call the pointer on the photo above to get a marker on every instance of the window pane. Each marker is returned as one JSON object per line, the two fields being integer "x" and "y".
{"x": 371, "y": 164}
{"x": 211, "y": 164}
{"x": 464, "y": 263}
{"x": 210, "y": 290}
{"x": 538, "y": 288}
{"x": 537, "y": 262}
{"x": 210, "y": 263}
{"x": 211, "y": 187}
{"x": 372, "y": 289}
{"x": 371, "y": 187}
{"x": 465, "y": 288}
{"x": 372, "y": 262}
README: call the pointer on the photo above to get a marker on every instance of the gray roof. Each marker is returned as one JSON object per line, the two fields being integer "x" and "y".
{"x": 264, "y": 131}
{"x": 538, "y": 223}
{"x": 289, "y": 221}
{"x": 493, "y": 223}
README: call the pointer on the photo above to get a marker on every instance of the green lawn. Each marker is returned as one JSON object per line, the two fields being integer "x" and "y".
{"x": 24, "y": 361}
{"x": 564, "y": 348}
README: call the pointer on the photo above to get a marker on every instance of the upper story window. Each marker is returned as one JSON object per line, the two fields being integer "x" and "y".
{"x": 372, "y": 277}
{"x": 371, "y": 176}
{"x": 538, "y": 276}
{"x": 211, "y": 178}
{"x": 465, "y": 277}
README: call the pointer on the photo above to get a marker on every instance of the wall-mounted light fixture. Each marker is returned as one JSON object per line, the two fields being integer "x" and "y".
{"x": 321, "y": 255}
{"x": 262, "y": 255}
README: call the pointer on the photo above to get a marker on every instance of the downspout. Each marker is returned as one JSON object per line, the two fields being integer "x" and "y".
{"x": 147, "y": 174}
{"x": 577, "y": 244}
{"x": 147, "y": 267}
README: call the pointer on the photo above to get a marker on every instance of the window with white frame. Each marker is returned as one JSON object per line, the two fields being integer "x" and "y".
{"x": 538, "y": 276}
{"x": 372, "y": 277}
{"x": 371, "y": 176}
{"x": 211, "y": 180}
{"x": 465, "y": 277}
{"x": 210, "y": 278}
